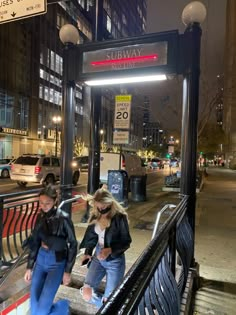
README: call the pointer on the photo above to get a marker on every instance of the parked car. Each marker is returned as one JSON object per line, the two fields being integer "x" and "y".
{"x": 156, "y": 163}
{"x": 174, "y": 163}
{"x": 35, "y": 168}
{"x": 5, "y": 167}
{"x": 81, "y": 162}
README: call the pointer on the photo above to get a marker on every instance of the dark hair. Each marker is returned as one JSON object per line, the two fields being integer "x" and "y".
{"x": 49, "y": 191}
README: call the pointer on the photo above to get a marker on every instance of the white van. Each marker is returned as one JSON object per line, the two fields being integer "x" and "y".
{"x": 130, "y": 163}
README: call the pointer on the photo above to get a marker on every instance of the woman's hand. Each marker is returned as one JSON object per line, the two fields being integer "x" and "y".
{"x": 66, "y": 278}
{"x": 104, "y": 253}
{"x": 28, "y": 276}
{"x": 85, "y": 259}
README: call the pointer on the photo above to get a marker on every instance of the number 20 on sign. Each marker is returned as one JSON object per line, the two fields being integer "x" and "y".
{"x": 122, "y": 112}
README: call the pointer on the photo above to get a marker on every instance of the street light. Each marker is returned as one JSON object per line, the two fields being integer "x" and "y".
{"x": 102, "y": 135}
{"x": 193, "y": 15}
{"x": 69, "y": 36}
{"x": 56, "y": 120}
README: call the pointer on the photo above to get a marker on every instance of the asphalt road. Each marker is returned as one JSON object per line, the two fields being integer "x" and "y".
{"x": 8, "y": 186}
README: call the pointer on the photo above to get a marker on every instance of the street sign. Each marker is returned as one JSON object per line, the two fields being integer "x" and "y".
{"x": 122, "y": 112}
{"x": 11, "y": 10}
{"x": 171, "y": 149}
{"x": 120, "y": 137}
{"x": 126, "y": 57}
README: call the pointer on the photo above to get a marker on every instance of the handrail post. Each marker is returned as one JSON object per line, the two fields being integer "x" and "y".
{"x": 1, "y": 231}
{"x": 172, "y": 250}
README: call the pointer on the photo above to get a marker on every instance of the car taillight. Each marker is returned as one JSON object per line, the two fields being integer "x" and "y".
{"x": 12, "y": 167}
{"x": 123, "y": 163}
{"x": 37, "y": 169}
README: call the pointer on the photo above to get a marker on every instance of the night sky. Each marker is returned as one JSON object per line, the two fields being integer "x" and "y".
{"x": 166, "y": 97}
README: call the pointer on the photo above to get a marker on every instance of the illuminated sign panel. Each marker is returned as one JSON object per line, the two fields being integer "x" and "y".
{"x": 125, "y": 57}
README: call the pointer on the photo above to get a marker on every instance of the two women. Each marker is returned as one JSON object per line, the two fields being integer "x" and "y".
{"x": 54, "y": 247}
{"x": 52, "y": 256}
{"x": 105, "y": 241}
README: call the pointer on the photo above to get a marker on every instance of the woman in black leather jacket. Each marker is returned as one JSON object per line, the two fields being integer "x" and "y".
{"x": 51, "y": 258}
{"x": 107, "y": 233}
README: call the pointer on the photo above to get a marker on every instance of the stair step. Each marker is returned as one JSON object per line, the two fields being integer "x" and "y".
{"x": 77, "y": 304}
{"x": 210, "y": 301}
{"x": 78, "y": 276}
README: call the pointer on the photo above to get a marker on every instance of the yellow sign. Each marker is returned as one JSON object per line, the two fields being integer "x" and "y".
{"x": 122, "y": 112}
{"x": 11, "y": 10}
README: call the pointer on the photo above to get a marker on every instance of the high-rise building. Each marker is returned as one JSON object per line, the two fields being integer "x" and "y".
{"x": 31, "y": 70}
{"x": 230, "y": 84}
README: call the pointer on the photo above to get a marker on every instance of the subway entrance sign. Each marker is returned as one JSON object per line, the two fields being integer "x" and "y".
{"x": 149, "y": 56}
{"x": 11, "y": 10}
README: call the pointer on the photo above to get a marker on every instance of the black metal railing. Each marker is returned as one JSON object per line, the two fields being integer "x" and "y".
{"x": 156, "y": 281}
{"x": 18, "y": 213}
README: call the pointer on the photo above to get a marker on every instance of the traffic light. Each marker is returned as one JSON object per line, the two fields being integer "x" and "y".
{"x": 167, "y": 156}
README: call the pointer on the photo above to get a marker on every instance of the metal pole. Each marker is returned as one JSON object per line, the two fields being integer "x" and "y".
{"x": 68, "y": 117}
{"x": 96, "y": 101}
{"x": 120, "y": 157}
{"x": 192, "y": 41}
{"x": 94, "y": 151}
{"x": 56, "y": 140}
{"x": 1, "y": 232}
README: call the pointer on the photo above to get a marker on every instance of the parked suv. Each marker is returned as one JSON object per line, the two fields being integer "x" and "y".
{"x": 34, "y": 168}
{"x": 5, "y": 166}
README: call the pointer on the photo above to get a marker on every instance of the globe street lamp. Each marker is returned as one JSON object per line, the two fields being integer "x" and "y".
{"x": 69, "y": 36}
{"x": 56, "y": 120}
{"x": 193, "y": 15}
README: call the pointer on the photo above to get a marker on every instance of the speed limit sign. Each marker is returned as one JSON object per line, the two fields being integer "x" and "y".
{"x": 122, "y": 112}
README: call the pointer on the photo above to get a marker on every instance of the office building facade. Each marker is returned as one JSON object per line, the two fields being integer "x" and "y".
{"x": 31, "y": 71}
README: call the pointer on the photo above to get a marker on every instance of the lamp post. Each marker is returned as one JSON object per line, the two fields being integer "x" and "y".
{"x": 56, "y": 120}
{"x": 193, "y": 15}
{"x": 69, "y": 36}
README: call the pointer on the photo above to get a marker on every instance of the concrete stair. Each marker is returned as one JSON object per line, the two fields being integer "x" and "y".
{"x": 72, "y": 293}
{"x": 77, "y": 304}
{"x": 215, "y": 298}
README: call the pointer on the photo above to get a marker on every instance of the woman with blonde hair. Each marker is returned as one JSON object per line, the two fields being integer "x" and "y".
{"x": 107, "y": 233}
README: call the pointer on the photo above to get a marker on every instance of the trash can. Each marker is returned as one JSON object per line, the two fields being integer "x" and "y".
{"x": 118, "y": 185}
{"x": 138, "y": 188}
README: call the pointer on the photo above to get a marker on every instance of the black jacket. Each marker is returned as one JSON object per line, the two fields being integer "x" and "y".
{"x": 55, "y": 230}
{"x": 117, "y": 237}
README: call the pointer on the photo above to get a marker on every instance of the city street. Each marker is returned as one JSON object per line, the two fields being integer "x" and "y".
{"x": 9, "y": 186}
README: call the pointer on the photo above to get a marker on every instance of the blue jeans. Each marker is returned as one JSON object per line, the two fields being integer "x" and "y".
{"x": 114, "y": 271}
{"x": 46, "y": 279}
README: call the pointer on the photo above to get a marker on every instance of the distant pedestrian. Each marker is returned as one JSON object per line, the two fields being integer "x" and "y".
{"x": 52, "y": 255}
{"x": 107, "y": 233}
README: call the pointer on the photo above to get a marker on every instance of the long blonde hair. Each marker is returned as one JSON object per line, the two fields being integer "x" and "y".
{"x": 104, "y": 196}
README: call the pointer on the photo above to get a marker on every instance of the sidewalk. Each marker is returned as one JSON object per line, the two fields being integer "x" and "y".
{"x": 215, "y": 240}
